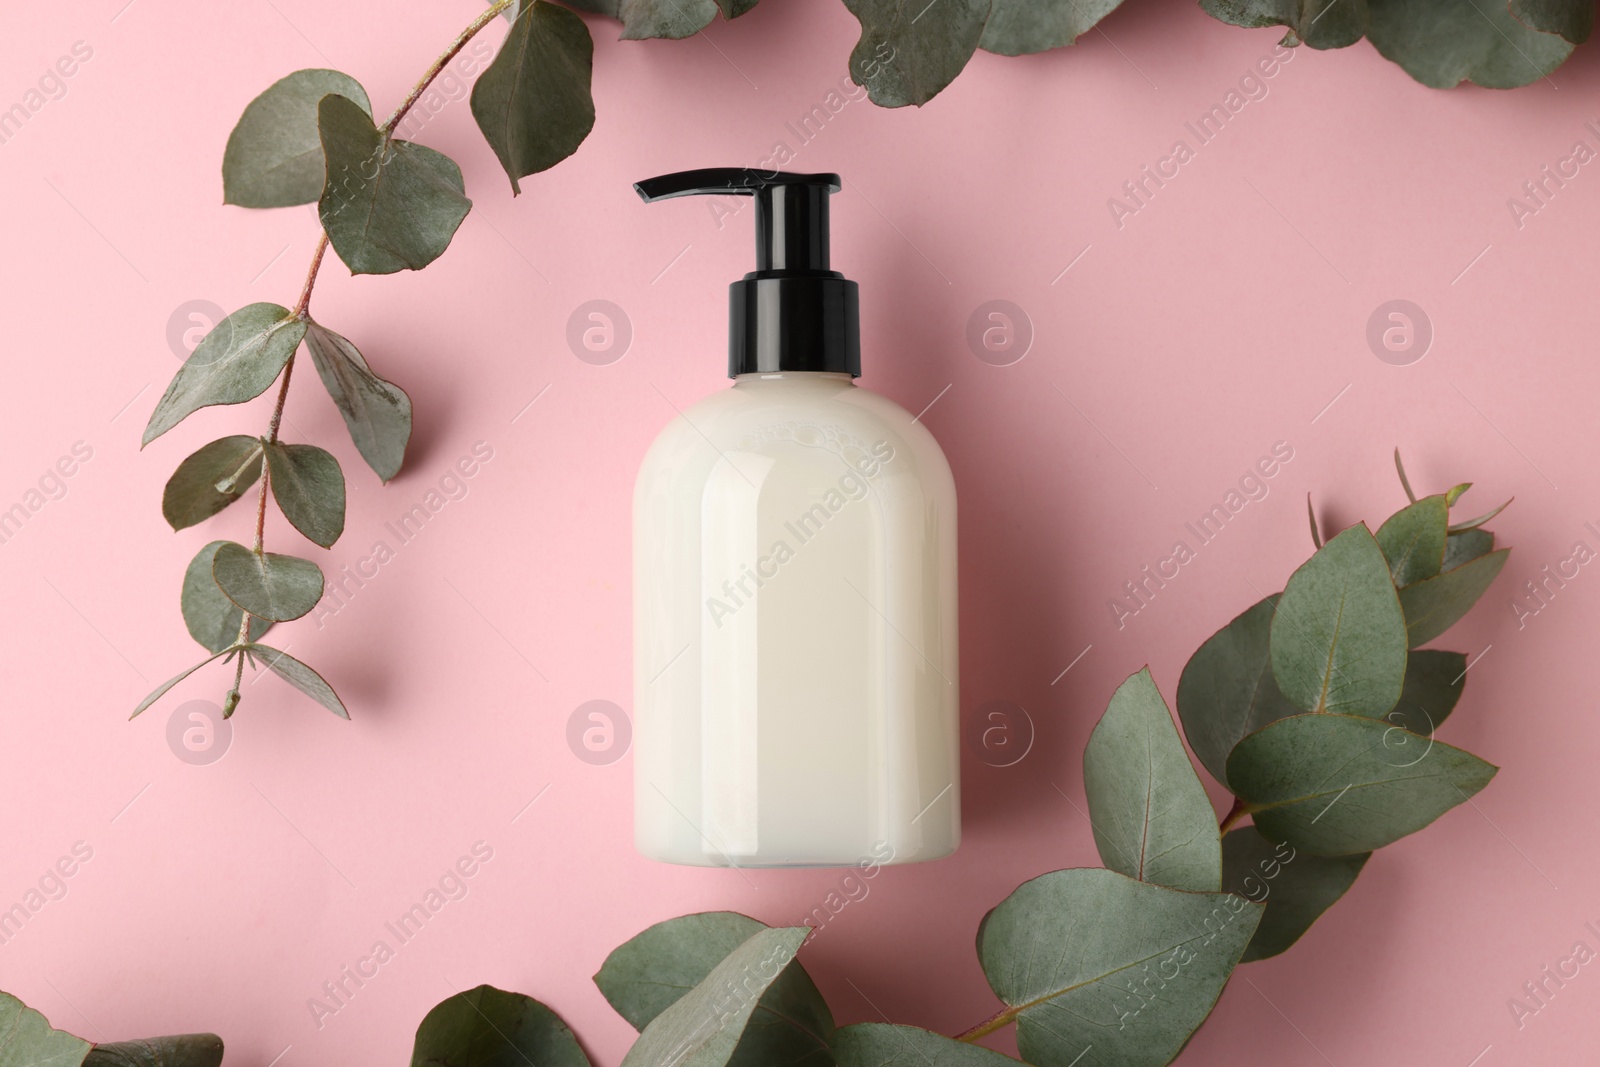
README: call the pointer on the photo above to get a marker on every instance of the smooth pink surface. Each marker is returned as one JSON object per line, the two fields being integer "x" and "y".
{"x": 1223, "y": 317}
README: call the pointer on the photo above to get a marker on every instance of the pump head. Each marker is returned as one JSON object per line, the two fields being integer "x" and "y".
{"x": 792, "y": 313}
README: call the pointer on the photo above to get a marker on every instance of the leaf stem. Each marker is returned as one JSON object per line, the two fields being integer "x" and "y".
{"x": 999, "y": 1020}
{"x": 439, "y": 64}
{"x": 1235, "y": 813}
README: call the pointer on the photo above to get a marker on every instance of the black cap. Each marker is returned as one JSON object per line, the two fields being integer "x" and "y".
{"x": 792, "y": 313}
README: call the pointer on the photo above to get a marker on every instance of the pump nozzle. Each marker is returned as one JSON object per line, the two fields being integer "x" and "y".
{"x": 792, "y": 312}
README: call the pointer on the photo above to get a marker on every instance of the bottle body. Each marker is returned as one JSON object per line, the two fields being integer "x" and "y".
{"x": 795, "y": 642}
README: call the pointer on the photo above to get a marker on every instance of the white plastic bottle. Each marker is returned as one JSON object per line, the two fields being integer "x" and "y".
{"x": 795, "y": 647}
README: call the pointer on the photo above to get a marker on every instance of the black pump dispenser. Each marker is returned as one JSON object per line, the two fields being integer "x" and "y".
{"x": 792, "y": 313}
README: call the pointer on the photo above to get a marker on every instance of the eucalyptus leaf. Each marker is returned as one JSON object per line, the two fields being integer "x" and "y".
{"x": 1441, "y": 43}
{"x": 377, "y": 413}
{"x": 1090, "y": 958}
{"x": 1433, "y": 606}
{"x": 703, "y": 1028}
{"x": 1413, "y": 539}
{"x": 1434, "y": 681}
{"x": 675, "y": 19}
{"x": 1150, "y": 815}
{"x": 648, "y": 973}
{"x": 1338, "y": 637}
{"x": 178, "y": 1050}
{"x": 309, "y": 488}
{"x": 1022, "y": 27}
{"x": 1465, "y": 547}
{"x": 1473, "y": 524}
{"x": 268, "y": 585}
{"x": 883, "y": 1045}
{"x": 28, "y": 1040}
{"x": 1318, "y": 23}
{"x": 161, "y": 691}
{"x": 1227, "y": 689}
{"x": 388, "y": 205}
{"x": 241, "y": 356}
{"x": 213, "y": 619}
{"x": 533, "y": 103}
{"x": 488, "y": 1027}
{"x": 1333, "y": 785}
{"x": 1295, "y": 887}
{"x": 300, "y": 676}
{"x": 1572, "y": 19}
{"x": 274, "y": 158}
{"x": 911, "y": 49}
{"x": 192, "y": 494}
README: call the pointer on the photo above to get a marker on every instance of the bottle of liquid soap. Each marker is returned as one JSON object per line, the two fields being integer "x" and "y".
{"x": 794, "y": 575}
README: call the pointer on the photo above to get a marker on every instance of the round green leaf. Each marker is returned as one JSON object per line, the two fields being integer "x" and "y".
{"x": 212, "y": 619}
{"x": 1319, "y": 23}
{"x": 488, "y": 1027}
{"x": 1413, "y": 540}
{"x": 1338, "y": 637}
{"x": 27, "y": 1039}
{"x": 235, "y": 362}
{"x": 1295, "y": 887}
{"x": 650, "y": 972}
{"x": 1572, "y": 19}
{"x": 1150, "y": 815}
{"x": 1022, "y": 27}
{"x": 1333, "y": 785}
{"x": 1433, "y": 606}
{"x": 309, "y": 488}
{"x": 377, "y": 413}
{"x": 882, "y": 1045}
{"x": 908, "y": 52}
{"x": 179, "y": 1050}
{"x": 1434, "y": 681}
{"x": 269, "y": 585}
{"x": 675, "y": 19}
{"x": 703, "y": 1028}
{"x": 388, "y": 205}
{"x": 1091, "y": 958}
{"x": 192, "y": 494}
{"x": 1444, "y": 42}
{"x": 274, "y": 158}
{"x": 1465, "y": 547}
{"x": 300, "y": 676}
{"x": 533, "y": 103}
{"x": 1227, "y": 689}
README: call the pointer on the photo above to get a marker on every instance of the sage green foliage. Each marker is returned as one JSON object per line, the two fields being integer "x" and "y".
{"x": 1442, "y": 43}
{"x": 883, "y": 1045}
{"x": 377, "y": 413}
{"x": 1413, "y": 540}
{"x": 1318, "y": 23}
{"x": 210, "y": 479}
{"x": 309, "y": 488}
{"x": 909, "y": 51}
{"x": 1149, "y": 813}
{"x": 298, "y": 675}
{"x": 488, "y": 1027}
{"x": 1228, "y": 690}
{"x": 647, "y": 974}
{"x": 1433, "y": 606}
{"x": 28, "y": 1040}
{"x": 212, "y": 619}
{"x": 703, "y": 1027}
{"x": 1295, "y": 887}
{"x": 1337, "y": 784}
{"x": 274, "y": 157}
{"x": 1338, "y": 635}
{"x": 533, "y": 103}
{"x": 241, "y": 356}
{"x": 267, "y": 584}
{"x": 1434, "y": 681}
{"x": 1020, "y": 27}
{"x": 388, "y": 205}
{"x": 1464, "y": 547}
{"x": 180, "y": 1050}
{"x": 1572, "y": 19}
{"x": 1093, "y": 961}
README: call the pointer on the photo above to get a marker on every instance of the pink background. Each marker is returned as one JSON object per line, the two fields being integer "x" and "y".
{"x": 1226, "y": 315}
